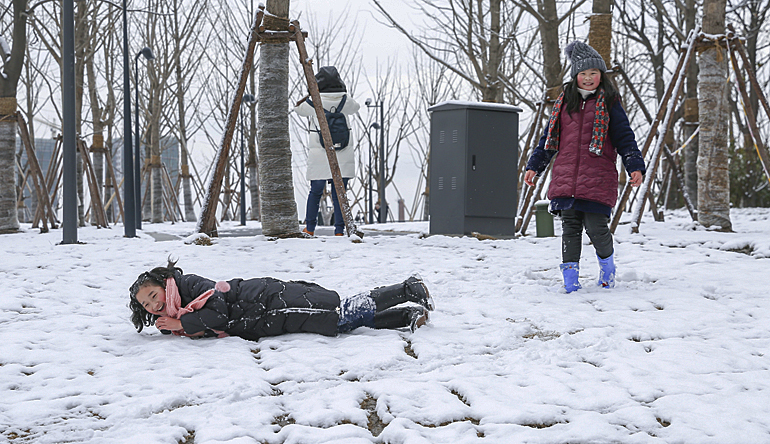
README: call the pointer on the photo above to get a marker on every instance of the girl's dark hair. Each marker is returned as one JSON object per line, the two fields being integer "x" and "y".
{"x": 573, "y": 100}
{"x": 157, "y": 276}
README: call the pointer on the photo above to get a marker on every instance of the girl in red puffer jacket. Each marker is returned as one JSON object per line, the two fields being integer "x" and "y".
{"x": 588, "y": 128}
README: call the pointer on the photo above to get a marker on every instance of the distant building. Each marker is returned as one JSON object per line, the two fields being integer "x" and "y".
{"x": 169, "y": 156}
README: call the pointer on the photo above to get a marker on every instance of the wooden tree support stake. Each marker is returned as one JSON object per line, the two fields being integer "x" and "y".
{"x": 662, "y": 108}
{"x": 331, "y": 155}
{"x": 96, "y": 197}
{"x": 207, "y": 221}
{"x": 43, "y": 201}
{"x": 764, "y": 157}
{"x": 676, "y": 87}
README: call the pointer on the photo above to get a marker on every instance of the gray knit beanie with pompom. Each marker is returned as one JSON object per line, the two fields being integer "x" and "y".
{"x": 583, "y": 57}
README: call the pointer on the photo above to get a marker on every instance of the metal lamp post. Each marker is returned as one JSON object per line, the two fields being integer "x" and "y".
{"x": 70, "y": 197}
{"x": 249, "y": 99}
{"x": 147, "y": 53}
{"x": 376, "y": 126}
{"x": 129, "y": 214}
{"x": 381, "y": 185}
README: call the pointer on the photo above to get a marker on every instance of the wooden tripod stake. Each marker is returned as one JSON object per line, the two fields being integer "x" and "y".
{"x": 331, "y": 155}
{"x": 207, "y": 223}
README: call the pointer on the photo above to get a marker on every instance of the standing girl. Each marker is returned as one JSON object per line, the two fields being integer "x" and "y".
{"x": 190, "y": 305}
{"x": 334, "y": 98}
{"x": 588, "y": 128}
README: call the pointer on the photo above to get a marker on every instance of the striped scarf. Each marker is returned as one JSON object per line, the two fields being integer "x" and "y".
{"x": 600, "y": 128}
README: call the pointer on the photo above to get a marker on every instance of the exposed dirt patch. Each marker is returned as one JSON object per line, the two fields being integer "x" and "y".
{"x": 374, "y": 423}
{"x": 461, "y": 397}
{"x": 408, "y": 349}
{"x": 543, "y": 425}
{"x": 747, "y": 250}
{"x": 283, "y": 420}
{"x": 189, "y": 439}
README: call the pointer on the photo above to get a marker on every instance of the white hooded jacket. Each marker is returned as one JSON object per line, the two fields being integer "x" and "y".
{"x": 317, "y": 162}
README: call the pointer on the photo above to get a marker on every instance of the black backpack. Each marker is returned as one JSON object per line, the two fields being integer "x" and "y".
{"x": 338, "y": 125}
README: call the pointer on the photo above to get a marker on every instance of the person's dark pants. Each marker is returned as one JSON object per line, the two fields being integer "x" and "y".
{"x": 597, "y": 227}
{"x": 313, "y": 201}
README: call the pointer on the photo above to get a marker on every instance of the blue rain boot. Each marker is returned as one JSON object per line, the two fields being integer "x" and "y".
{"x": 570, "y": 272}
{"x": 606, "y": 272}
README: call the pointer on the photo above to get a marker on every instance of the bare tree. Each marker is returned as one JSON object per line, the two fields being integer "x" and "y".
{"x": 223, "y": 61}
{"x": 690, "y": 155}
{"x": 713, "y": 97}
{"x": 547, "y": 15}
{"x": 13, "y": 61}
{"x": 187, "y": 57}
{"x": 160, "y": 72}
{"x": 279, "y": 209}
{"x": 100, "y": 28}
{"x": 474, "y": 39}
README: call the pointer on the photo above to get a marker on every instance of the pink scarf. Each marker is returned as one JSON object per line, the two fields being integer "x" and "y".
{"x": 174, "y": 307}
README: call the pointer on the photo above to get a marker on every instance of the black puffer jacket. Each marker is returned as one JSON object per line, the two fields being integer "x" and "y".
{"x": 255, "y": 308}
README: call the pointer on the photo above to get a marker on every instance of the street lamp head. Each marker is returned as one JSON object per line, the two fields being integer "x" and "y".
{"x": 249, "y": 98}
{"x": 147, "y": 53}
{"x": 368, "y": 102}
{"x": 375, "y": 125}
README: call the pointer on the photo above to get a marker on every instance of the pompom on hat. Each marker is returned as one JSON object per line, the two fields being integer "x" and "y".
{"x": 583, "y": 57}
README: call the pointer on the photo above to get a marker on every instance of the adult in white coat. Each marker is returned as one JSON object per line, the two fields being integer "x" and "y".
{"x": 332, "y": 90}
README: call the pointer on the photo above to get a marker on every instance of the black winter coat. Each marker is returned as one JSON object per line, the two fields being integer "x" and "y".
{"x": 255, "y": 308}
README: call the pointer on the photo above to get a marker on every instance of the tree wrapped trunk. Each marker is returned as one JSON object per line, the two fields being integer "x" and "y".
{"x": 549, "y": 40}
{"x": 713, "y": 102}
{"x": 600, "y": 30}
{"x": 9, "y": 219}
{"x": 252, "y": 163}
{"x": 155, "y": 143}
{"x": 278, "y": 206}
{"x": 691, "y": 115}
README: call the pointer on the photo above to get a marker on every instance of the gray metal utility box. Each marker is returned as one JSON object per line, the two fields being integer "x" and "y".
{"x": 473, "y": 168}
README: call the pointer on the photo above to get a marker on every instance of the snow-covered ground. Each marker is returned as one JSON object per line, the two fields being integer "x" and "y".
{"x": 677, "y": 353}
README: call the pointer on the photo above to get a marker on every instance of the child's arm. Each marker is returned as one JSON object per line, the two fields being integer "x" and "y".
{"x": 538, "y": 160}
{"x": 624, "y": 141}
{"x": 167, "y": 323}
{"x": 213, "y": 316}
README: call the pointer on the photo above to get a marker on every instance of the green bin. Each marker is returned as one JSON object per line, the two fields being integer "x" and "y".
{"x": 543, "y": 219}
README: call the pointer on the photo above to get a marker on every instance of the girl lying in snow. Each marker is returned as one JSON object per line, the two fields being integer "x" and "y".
{"x": 191, "y": 305}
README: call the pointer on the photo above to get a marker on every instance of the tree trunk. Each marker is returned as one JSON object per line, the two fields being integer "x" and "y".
{"x": 279, "y": 209}
{"x": 713, "y": 98}
{"x": 9, "y": 219}
{"x": 227, "y": 195}
{"x": 252, "y": 162}
{"x": 189, "y": 211}
{"x": 81, "y": 49}
{"x": 691, "y": 114}
{"x": 600, "y": 30}
{"x": 97, "y": 145}
{"x": 549, "y": 40}
{"x": 146, "y": 188}
{"x": 493, "y": 92}
{"x": 155, "y": 147}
